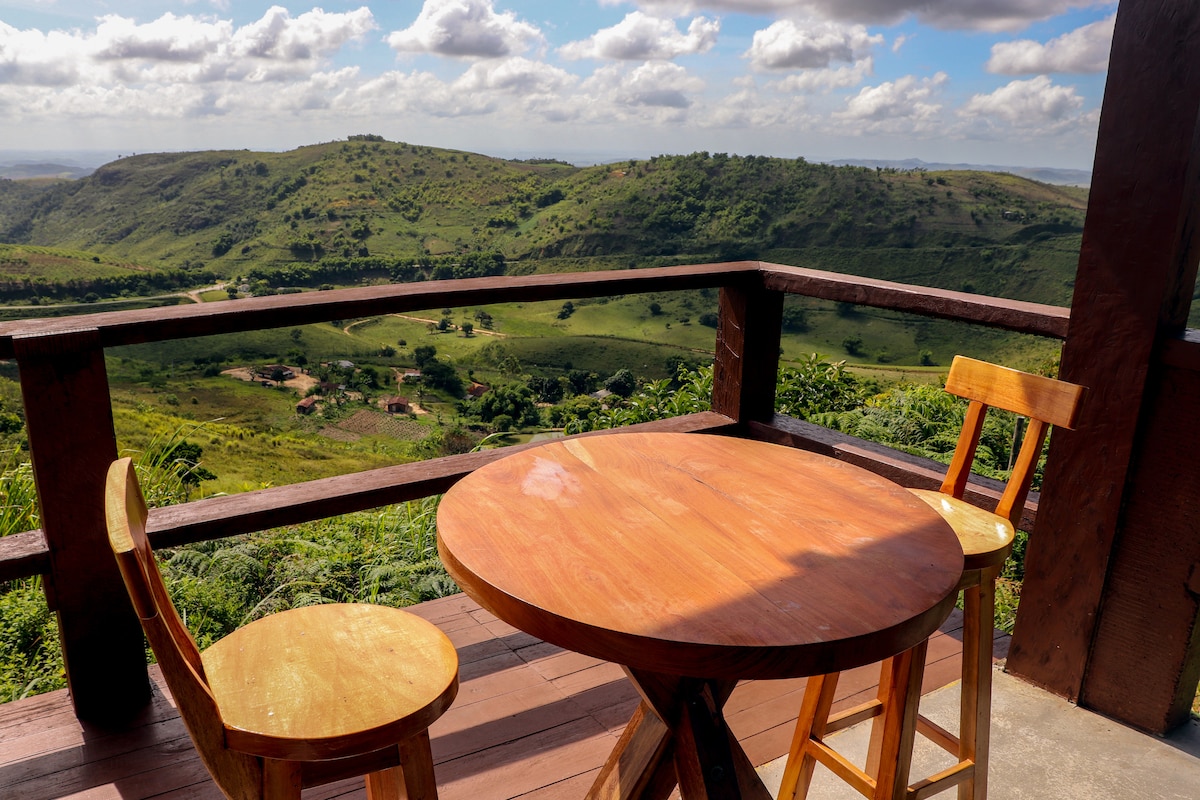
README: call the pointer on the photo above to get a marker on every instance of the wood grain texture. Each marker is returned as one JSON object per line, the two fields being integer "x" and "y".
{"x": 531, "y": 720}
{"x": 746, "y": 362}
{"x": 1137, "y": 270}
{"x": 352, "y": 685}
{"x": 65, "y": 380}
{"x": 332, "y": 680}
{"x": 715, "y": 556}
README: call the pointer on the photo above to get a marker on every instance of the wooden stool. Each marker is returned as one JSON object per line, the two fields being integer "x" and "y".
{"x": 296, "y": 699}
{"x": 987, "y": 540}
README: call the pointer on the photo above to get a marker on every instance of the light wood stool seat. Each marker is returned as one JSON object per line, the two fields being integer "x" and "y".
{"x": 987, "y": 540}
{"x": 299, "y": 698}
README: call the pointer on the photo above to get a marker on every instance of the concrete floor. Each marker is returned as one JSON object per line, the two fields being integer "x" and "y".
{"x": 1042, "y": 747}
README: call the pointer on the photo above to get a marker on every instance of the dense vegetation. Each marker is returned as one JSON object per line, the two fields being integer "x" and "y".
{"x": 367, "y": 209}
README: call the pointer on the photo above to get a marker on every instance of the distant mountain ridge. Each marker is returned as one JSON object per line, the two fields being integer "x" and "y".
{"x": 27, "y": 170}
{"x": 1058, "y": 177}
{"x": 370, "y": 209}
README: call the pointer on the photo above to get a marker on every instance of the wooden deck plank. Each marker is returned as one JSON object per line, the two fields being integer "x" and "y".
{"x": 531, "y": 721}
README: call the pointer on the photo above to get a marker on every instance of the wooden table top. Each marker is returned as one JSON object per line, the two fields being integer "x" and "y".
{"x": 701, "y": 555}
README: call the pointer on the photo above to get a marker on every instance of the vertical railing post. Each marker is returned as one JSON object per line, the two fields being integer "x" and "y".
{"x": 68, "y": 417}
{"x": 747, "y": 358}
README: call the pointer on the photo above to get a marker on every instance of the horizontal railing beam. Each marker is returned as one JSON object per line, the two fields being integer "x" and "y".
{"x": 23, "y": 555}
{"x": 994, "y": 312}
{"x": 260, "y": 313}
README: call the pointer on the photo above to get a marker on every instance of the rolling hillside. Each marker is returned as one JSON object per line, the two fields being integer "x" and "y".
{"x": 372, "y": 205}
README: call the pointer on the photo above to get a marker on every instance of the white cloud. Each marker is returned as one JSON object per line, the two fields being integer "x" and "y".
{"x": 907, "y": 104}
{"x": 513, "y": 89}
{"x": 313, "y": 34}
{"x": 33, "y": 58}
{"x": 465, "y": 29}
{"x": 641, "y": 37}
{"x": 810, "y": 45}
{"x": 1033, "y": 104}
{"x": 122, "y": 53}
{"x": 1083, "y": 50}
{"x": 655, "y": 84}
{"x": 823, "y": 81}
{"x": 748, "y": 108}
{"x": 168, "y": 38}
{"x": 994, "y": 15}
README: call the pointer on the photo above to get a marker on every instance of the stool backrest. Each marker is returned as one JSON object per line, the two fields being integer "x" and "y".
{"x": 238, "y": 775}
{"x": 1045, "y": 401}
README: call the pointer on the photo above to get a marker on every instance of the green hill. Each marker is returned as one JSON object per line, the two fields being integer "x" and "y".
{"x": 371, "y": 206}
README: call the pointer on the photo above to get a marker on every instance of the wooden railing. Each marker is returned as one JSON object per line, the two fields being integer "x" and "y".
{"x": 70, "y": 426}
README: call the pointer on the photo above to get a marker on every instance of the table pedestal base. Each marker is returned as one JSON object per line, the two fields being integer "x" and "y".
{"x": 678, "y": 736}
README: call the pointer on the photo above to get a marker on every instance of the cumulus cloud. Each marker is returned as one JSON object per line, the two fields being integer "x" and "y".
{"x": 1035, "y": 103}
{"x": 823, "y": 81}
{"x": 994, "y": 15}
{"x": 1082, "y": 50}
{"x": 747, "y": 107}
{"x": 465, "y": 29}
{"x": 168, "y": 38}
{"x": 514, "y": 88}
{"x": 788, "y": 45}
{"x": 33, "y": 58}
{"x": 641, "y": 37}
{"x": 122, "y": 53}
{"x": 658, "y": 84}
{"x": 908, "y": 104}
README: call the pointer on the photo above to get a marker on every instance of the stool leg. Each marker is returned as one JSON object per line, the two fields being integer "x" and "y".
{"x": 814, "y": 714}
{"x": 893, "y": 733}
{"x": 979, "y": 604}
{"x": 281, "y": 779}
{"x": 413, "y": 779}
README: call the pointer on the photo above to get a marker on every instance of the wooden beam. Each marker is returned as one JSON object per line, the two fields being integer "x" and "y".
{"x": 746, "y": 364}
{"x": 995, "y": 312}
{"x": 68, "y": 416}
{"x": 258, "y": 313}
{"x": 1137, "y": 261}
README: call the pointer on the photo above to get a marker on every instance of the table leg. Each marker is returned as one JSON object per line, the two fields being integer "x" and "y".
{"x": 678, "y": 735}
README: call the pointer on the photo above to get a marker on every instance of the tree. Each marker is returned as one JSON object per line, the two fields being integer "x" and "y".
{"x": 622, "y": 382}
{"x": 655, "y": 309}
{"x": 512, "y": 402}
{"x": 440, "y": 375}
{"x": 795, "y": 319}
{"x": 546, "y": 390}
{"x": 568, "y": 308}
{"x": 423, "y": 354}
{"x": 467, "y": 328}
{"x": 581, "y": 381}
{"x": 184, "y": 458}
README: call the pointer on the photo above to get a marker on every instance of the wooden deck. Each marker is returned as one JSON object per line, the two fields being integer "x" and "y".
{"x": 531, "y": 721}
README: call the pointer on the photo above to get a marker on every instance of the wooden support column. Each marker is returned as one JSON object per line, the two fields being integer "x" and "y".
{"x": 747, "y": 360}
{"x": 68, "y": 416}
{"x": 1137, "y": 267}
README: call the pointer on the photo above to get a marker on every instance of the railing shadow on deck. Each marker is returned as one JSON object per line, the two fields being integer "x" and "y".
{"x": 63, "y": 376}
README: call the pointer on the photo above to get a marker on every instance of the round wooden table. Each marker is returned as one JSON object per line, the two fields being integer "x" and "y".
{"x": 695, "y": 561}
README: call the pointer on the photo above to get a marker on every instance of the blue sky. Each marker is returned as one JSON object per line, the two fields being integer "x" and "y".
{"x": 1004, "y": 82}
